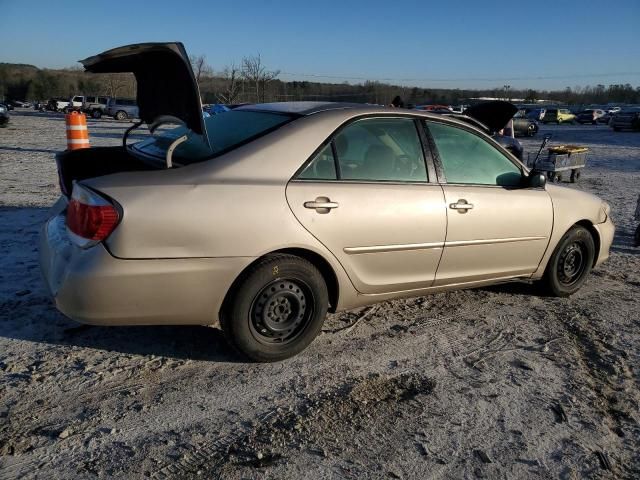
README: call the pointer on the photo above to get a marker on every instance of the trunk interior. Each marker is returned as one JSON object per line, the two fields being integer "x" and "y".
{"x": 94, "y": 162}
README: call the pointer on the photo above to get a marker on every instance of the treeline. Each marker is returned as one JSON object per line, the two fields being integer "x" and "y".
{"x": 251, "y": 81}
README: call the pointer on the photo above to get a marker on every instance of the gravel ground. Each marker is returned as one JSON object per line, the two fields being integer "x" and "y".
{"x": 497, "y": 382}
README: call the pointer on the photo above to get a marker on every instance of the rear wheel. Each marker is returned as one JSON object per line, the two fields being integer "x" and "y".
{"x": 276, "y": 309}
{"x": 570, "y": 263}
{"x": 120, "y": 115}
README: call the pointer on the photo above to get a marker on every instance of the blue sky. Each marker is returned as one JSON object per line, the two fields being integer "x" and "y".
{"x": 453, "y": 43}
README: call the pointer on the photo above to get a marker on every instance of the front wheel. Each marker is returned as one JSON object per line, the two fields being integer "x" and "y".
{"x": 96, "y": 114}
{"x": 570, "y": 263}
{"x": 276, "y": 309}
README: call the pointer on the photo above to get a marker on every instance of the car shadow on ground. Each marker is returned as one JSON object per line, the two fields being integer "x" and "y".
{"x": 28, "y": 314}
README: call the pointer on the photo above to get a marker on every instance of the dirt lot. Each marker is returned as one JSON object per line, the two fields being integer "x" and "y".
{"x": 495, "y": 383}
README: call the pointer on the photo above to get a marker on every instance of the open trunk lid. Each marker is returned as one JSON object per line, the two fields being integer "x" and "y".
{"x": 494, "y": 114}
{"x": 166, "y": 83}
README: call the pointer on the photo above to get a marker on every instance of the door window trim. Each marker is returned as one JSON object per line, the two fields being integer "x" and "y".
{"x": 426, "y": 153}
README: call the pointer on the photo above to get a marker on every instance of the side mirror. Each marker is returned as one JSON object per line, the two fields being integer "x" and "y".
{"x": 537, "y": 179}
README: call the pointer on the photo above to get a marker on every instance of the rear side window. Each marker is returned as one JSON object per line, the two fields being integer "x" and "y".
{"x": 469, "y": 159}
{"x": 372, "y": 149}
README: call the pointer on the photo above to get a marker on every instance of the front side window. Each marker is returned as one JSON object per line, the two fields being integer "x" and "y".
{"x": 469, "y": 159}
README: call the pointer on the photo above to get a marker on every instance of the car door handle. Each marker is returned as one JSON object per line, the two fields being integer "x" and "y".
{"x": 461, "y": 205}
{"x": 321, "y": 205}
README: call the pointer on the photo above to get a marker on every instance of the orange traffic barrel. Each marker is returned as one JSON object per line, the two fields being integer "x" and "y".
{"x": 77, "y": 133}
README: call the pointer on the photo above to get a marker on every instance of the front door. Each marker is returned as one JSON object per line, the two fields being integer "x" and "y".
{"x": 497, "y": 228}
{"x": 366, "y": 196}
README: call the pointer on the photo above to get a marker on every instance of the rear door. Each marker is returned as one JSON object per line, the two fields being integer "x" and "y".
{"x": 497, "y": 228}
{"x": 367, "y": 197}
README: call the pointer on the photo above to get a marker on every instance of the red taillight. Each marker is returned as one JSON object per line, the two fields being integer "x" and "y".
{"x": 90, "y": 217}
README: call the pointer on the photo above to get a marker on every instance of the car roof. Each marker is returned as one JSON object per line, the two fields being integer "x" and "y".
{"x": 349, "y": 110}
{"x": 303, "y": 108}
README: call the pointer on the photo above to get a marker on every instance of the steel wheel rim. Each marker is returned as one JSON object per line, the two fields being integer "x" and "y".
{"x": 572, "y": 263}
{"x": 281, "y": 311}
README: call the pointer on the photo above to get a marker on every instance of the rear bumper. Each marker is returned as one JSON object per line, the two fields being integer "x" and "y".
{"x": 606, "y": 231}
{"x": 91, "y": 286}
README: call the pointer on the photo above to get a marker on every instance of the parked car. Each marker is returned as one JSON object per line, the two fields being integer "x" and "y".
{"x": 264, "y": 218}
{"x": 122, "y": 108}
{"x": 95, "y": 105}
{"x": 558, "y": 115}
{"x": 4, "y": 115}
{"x": 75, "y": 103}
{"x": 57, "y": 104}
{"x": 590, "y": 116}
{"x": 536, "y": 114}
{"x": 435, "y": 108}
{"x": 626, "y": 119}
{"x": 523, "y": 126}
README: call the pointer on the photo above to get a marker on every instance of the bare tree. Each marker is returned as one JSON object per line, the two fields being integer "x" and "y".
{"x": 255, "y": 72}
{"x": 232, "y": 80}
{"x": 200, "y": 66}
{"x": 114, "y": 83}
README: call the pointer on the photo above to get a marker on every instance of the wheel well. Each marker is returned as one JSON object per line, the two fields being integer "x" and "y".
{"x": 594, "y": 234}
{"x": 317, "y": 260}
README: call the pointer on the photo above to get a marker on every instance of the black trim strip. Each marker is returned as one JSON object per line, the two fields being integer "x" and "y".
{"x": 336, "y": 163}
{"x": 437, "y": 162}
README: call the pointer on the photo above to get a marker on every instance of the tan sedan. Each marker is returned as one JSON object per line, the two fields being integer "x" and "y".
{"x": 263, "y": 218}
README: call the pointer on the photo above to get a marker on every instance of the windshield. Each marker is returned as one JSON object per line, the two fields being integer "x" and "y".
{"x": 225, "y": 131}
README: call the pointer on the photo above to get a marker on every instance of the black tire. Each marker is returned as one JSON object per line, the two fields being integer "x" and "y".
{"x": 570, "y": 263}
{"x": 120, "y": 115}
{"x": 636, "y": 237}
{"x": 96, "y": 114}
{"x": 575, "y": 175}
{"x": 532, "y": 130}
{"x": 276, "y": 308}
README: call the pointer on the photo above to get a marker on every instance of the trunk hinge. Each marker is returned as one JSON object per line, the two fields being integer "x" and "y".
{"x": 128, "y": 131}
{"x": 172, "y": 147}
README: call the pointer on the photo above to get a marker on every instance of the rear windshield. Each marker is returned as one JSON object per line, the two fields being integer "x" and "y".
{"x": 225, "y": 132}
